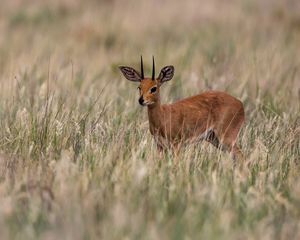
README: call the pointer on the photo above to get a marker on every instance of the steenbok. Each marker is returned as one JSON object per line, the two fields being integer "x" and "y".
{"x": 213, "y": 116}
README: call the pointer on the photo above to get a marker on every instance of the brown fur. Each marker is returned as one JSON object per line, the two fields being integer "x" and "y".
{"x": 213, "y": 116}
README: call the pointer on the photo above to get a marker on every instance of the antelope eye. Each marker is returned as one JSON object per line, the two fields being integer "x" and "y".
{"x": 153, "y": 90}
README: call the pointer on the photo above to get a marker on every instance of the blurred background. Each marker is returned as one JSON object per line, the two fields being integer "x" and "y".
{"x": 209, "y": 42}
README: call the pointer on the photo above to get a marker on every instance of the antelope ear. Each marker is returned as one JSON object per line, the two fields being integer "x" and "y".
{"x": 166, "y": 74}
{"x": 130, "y": 74}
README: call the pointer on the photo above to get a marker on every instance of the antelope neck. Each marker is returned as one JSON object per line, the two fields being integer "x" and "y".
{"x": 154, "y": 113}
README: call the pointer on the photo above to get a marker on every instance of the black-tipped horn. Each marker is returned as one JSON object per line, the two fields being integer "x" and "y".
{"x": 153, "y": 68}
{"x": 142, "y": 67}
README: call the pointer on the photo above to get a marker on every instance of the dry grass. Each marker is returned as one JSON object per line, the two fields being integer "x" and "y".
{"x": 77, "y": 160}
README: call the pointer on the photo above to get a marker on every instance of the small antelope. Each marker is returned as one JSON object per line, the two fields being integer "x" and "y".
{"x": 213, "y": 116}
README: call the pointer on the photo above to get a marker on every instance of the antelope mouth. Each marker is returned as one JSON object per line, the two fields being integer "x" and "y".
{"x": 148, "y": 103}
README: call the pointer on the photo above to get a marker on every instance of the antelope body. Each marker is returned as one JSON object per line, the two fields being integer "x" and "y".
{"x": 213, "y": 116}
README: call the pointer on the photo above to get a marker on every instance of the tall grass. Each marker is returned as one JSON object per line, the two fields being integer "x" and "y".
{"x": 77, "y": 160}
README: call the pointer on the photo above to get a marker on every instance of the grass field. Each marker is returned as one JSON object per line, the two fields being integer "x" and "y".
{"x": 77, "y": 160}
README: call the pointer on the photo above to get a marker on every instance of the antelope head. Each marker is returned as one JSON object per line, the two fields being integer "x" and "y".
{"x": 149, "y": 87}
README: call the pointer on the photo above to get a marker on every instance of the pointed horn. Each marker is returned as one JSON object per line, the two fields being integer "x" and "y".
{"x": 153, "y": 68}
{"x": 142, "y": 67}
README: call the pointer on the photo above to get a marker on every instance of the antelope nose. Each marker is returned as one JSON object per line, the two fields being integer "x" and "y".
{"x": 141, "y": 100}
